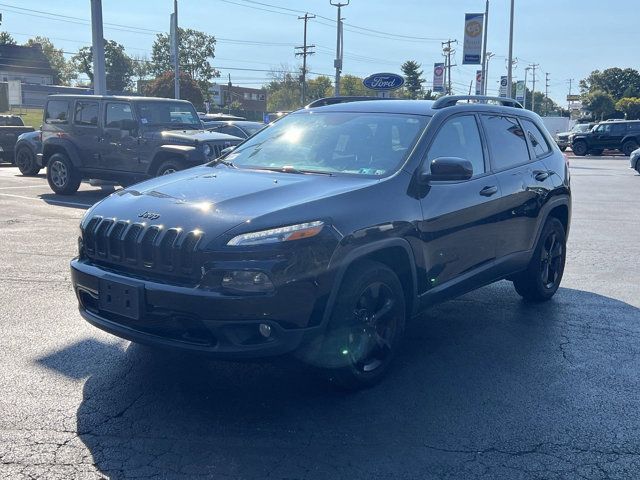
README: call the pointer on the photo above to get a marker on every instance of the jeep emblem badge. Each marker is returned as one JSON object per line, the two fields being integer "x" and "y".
{"x": 149, "y": 215}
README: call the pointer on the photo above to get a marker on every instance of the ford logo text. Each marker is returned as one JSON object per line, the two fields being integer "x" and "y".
{"x": 383, "y": 81}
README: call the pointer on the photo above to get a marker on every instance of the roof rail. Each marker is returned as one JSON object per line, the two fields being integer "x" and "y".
{"x": 451, "y": 100}
{"x": 321, "y": 102}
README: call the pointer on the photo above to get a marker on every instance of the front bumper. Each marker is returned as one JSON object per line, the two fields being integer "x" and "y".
{"x": 634, "y": 161}
{"x": 563, "y": 142}
{"x": 196, "y": 320}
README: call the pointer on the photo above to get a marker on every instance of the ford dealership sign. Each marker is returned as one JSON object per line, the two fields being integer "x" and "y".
{"x": 383, "y": 81}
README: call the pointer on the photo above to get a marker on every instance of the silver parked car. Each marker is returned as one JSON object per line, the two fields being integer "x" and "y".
{"x": 634, "y": 160}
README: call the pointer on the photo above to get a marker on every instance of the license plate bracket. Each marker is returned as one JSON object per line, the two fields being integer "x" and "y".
{"x": 122, "y": 298}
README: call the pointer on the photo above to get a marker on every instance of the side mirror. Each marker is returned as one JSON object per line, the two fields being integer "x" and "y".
{"x": 228, "y": 150}
{"x": 446, "y": 169}
{"x": 129, "y": 125}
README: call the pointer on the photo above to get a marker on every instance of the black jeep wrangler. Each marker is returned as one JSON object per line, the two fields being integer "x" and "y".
{"x": 325, "y": 232}
{"x": 122, "y": 139}
{"x": 611, "y": 135}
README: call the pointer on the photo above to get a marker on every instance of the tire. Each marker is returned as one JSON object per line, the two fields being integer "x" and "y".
{"x": 579, "y": 148}
{"x": 358, "y": 348}
{"x": 63, "y": 177}
{"x": 629, "y": 146}
{"x": 168, "y": 167}
{"x": 26, "y": 162}
{"x": 562, "y": 149}
{"x": 540, "y": 281}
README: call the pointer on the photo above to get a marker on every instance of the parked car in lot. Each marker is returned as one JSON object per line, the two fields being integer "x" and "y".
{"x": 11, "y": 127}
{"x": 325, "y": 232}
{"x": 613, "y": 135}
{"x": 122, "y": 139}
{"x": 27, "y": 148}
{"x": 242, "y": 128}
{"x": 634, "y": 160}
{"x": 563, "y": 139}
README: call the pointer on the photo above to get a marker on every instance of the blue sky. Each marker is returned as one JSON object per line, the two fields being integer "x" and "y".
{"x": 568, "y": 38}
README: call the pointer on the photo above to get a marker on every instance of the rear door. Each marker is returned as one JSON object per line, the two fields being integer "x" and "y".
{"x": 86, "y": 132}
{"x": 524, "y": 179}
{"x": 458, "y": 228}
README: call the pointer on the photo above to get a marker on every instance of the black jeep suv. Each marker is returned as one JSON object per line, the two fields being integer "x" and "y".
{"x": 122, "y": 139}
{"x": 610, "y": 135}
{"x": 326, "y": 231}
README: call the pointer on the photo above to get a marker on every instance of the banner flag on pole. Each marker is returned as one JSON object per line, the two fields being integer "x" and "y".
{"x": 438, "y": 77}
{"x": 472, "y": 49}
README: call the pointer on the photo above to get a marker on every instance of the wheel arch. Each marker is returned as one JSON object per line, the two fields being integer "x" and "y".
{"x": 64, "y": 147}
{"x": 163, "y": 154}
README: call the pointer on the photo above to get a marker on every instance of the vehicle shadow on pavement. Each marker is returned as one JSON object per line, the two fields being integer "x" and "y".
{"x": 81, "y": 199}
{"x": 485, "y": 385}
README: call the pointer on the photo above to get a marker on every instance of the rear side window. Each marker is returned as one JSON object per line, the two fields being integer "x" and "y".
{"x": 634, "y": 127}
{"x": 86, "y": 114}
{"x": 459, "y": 137}
{"x": 536, "y": 138}
{"x": 618, "y": 129}
{"x": 507, "y": 142}
{"x": 116, "y": 113}
{"x": 57, "y": 112}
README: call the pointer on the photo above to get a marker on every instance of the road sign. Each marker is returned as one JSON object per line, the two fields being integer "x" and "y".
{"x": 383, "y": 81}
{"x": 503, "y": 86}
{"x": 573, "y": 98}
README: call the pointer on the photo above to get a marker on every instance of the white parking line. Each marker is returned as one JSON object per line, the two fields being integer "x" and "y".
{"x": 23, "y": 186}
{"x": 57, "y": 202}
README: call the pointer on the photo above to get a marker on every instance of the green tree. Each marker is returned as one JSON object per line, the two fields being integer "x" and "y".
{"x": 352, "y": 85}
{"x": 164, "y": 86}
{"x": 617, "y": 82}
{"x": 283, "y": 91}
{"x": 319, "y": 87}
{"x": 630, "y": 106}
{"x": 63, "y": 70}
{"x": 6, "y": 39}
{"x": 196, "y": 50}
{"x": 118, "y": 65}
{"x": 599, "y": 103}
{"x": 413, "y": 79}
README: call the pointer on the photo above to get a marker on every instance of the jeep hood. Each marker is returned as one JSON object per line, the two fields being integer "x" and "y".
{"x": 194, "y": 136}
{"x": 216, "y": 199}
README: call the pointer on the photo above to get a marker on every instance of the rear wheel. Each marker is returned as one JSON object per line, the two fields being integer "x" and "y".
{"x": 579, "y": 148}
{"x": 26, "y": 162}
{"x": 168, "y": 167}
{"x": 540, "y": 281}
{"x": 366, "y": 326}
{"x": 62, "y": 176}
{"x": 629, "y": 146}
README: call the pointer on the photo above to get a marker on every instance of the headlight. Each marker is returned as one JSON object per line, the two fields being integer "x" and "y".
{"x": 280, "y": 234}
{"x": 207, "y": 150}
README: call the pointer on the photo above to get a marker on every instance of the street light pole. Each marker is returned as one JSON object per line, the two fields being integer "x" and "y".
{"x": 175, "y": 50}
{"x": 526, "y": 71}
{"x": 99, "y": 75}
{"x": 486, "y": 70}
{"x": 484, "y": 49}
{"x": 339, "y": 44}
{"x": 510, "y": 60}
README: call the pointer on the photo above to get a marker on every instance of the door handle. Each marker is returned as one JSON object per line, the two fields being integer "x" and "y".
{"x": 488, "y": 191}
{"x": 540, "y": 175}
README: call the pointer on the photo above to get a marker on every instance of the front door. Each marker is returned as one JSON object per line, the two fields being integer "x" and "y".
{"x": 458, "y": 227}
{"x": 87, "y": 132}
{"x": 121, "y": 139}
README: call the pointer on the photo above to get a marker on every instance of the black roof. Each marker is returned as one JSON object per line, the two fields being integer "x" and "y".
{"x": 19, "y": 58}
{"x": 126, "y": 98}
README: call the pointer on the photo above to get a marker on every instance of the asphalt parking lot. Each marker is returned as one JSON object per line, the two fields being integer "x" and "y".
{"x": 487, "y": 386}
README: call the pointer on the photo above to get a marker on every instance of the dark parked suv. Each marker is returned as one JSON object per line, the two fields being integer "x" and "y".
{"x": 611, "y": 135}
{"x": 325, "y": 232}
{"x": 122, "y": 139}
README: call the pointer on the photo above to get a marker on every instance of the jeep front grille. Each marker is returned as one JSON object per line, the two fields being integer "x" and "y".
{"x": 136, "y": 246}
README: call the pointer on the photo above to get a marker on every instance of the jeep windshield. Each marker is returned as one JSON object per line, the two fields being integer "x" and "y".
{"x": 332, "y": 142}
{"x": 168, "y": 115}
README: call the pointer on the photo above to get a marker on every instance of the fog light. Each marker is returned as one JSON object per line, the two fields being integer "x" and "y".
{"x": 249, "y": 281}
{"x": 265, "y": 330}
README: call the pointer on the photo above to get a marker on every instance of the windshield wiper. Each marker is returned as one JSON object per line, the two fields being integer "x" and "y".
{"x": 290, "y": 169}
{"x": 222, "y": 161}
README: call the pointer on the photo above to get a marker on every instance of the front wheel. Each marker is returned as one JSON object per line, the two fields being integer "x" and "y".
{"x": 26, "y": 162}
{"x": 579, "y": 148}
{"x": 168, "y": 167}
{"x": 62, "y": 176}
{"x": 540, "y": 281}
{"x": 366, "y": 326}
{"x": 629, "y": 146}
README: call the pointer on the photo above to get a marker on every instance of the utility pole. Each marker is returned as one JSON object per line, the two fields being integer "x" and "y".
{"x": 486, "y": 70}
{"x": 175, "y": 50}
{"x": 304, "y": 53}
{"x": 526, "y": 71}
{"x": 339, "y": 45}
{"x": 229, "y": 99}
{"x": 510, "y": 68}
{"x": 99, "y": 75}
{"x": 533, "y": 67}
{"x": 483, "y": 86}
{"x": 546, "y": 94}
{"x": 569, "y": 101}
{"x": 447, "y": 51}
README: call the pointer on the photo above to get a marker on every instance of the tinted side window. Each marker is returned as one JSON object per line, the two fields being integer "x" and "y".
{"x": 116, "y": 112}
{"x": 618, "y": 129}
{"x": 634, "y": 126}
{"x": 86, "y": 114}
{"x": 57, "y": 111}
{"x": 459, "y": 137}
{"x": 506, "y": 139}
{"x": 537, "y": 139}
